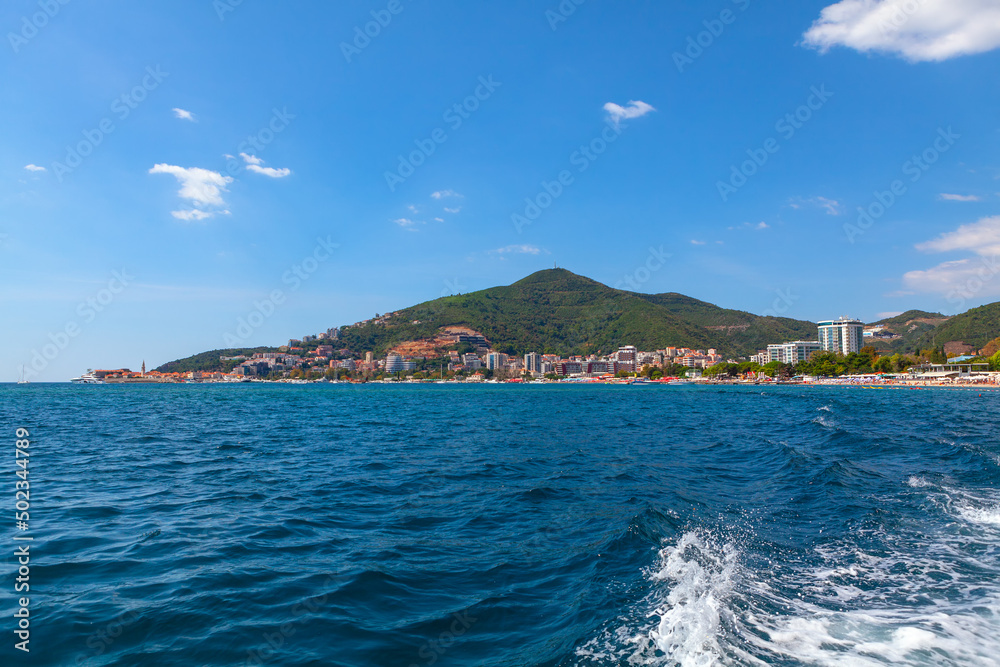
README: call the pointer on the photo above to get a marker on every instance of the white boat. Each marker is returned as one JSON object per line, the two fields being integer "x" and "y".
{"x": 87, "y": 378}
{"x": 23, "y": 380}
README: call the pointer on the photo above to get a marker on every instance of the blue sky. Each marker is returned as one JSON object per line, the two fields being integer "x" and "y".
{"x": 171, "y": 168}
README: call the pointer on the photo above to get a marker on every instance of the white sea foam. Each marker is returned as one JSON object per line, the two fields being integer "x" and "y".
{"x": 825, "y": 408}
{"x": 924, "y": 602}
{"x": 918, "y": 482}
{"x": 823, "y": 421}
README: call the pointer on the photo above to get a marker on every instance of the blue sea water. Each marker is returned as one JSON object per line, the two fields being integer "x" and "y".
{"x": 500, "y": 525}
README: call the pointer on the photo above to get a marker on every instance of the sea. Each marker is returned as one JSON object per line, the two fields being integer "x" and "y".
{"x": 416, "y": 525}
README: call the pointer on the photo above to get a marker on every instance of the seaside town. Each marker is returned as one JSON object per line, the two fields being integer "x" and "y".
{"x": 461, "y": 354}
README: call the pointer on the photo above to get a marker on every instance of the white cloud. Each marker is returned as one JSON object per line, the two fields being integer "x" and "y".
{"x": 634, "y": 109}
{"x": 952, "y": 277}
{"x": 917, "y": 30}
{"x": 408, "y": 224}
{"x": 444, "y": 194}
{"x": 696, "y": 242}
{"x": 412, "y": 209}
{"x": 439, "y": 219}
{"x": 453, "y": 210}
{"x": 523, "y": 249}
{"x": 947, "y": 197}
{"x": 34, "y": 167}
{"x": 193, "y": 214}
{"x": 269, "y": 171}
{"x": 747, "y": 225}
{"x": 201, "y": 187}
{"x": 831, "y": 206}
{"x": 982, "y": 238}
{"x": 254, "y": 164}
{"x": 184, "y": 115}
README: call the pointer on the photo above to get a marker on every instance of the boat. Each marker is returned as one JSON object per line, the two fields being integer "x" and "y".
{"x": 23, "y": 379}
{"x": 88, "y": 378}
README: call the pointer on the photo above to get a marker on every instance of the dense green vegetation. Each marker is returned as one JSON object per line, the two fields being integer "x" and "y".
{"x": 209, "y": 361}
{"x": 977, "y": 327}
{"x": 827, "y": 364}
{"x": 558, "y": 312}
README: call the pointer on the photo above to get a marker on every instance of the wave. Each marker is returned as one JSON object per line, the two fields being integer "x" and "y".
{"x": 918, "y": 604}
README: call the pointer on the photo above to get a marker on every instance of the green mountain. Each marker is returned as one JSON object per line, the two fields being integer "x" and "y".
{"x": 556, "y": 311}
{"x": 976, "y": 327}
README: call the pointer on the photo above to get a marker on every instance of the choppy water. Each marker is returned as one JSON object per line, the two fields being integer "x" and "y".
{"x": 495, "y": 525}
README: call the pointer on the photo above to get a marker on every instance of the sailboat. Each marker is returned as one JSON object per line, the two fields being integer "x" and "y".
{"x": 23, "y": 380}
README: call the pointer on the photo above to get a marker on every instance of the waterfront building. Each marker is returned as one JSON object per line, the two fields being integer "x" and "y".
{"x": 495, "y": 360}
{"x": 533, "y": 362}
{"x": 393, "y": 363}
{"x": 841, "y": 335}
{"x": 792, "y": 353}
{"x": 626, "y": 357}
{"x": 564, "y": 368}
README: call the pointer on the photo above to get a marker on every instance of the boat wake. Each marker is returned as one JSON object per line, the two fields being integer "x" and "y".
{"x": 899, "y": 599}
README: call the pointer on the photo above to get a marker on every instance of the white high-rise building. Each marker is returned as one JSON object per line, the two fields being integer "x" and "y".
{"x": 842, "y": 335}
{"x": 495, "y": 360}
{"x": 533, "y": 362}
{"x": 393, "y": 363}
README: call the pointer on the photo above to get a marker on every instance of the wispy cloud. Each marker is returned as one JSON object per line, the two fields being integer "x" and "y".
{"x": 34, "y": 167}
{"x": 201, "y": 187}
{"x": 760, "y": 226}
{"x": 254, "y": 164}
{"x": 831, "y": 206}
{"x": 184, "y": 115}
{"x": 522, "y": 249}
{"x": 408, "y": 224}
{"x": 697, "y": 242}
{"x": 457, "y": 209}
{"x": 917, "y": 30}
{"x": 980, "y": 238}
{"x": 947, "y": 197}
{"x": 445, "y": 194}
{"x": 634, "y": 109}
